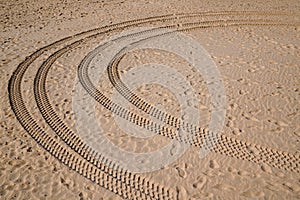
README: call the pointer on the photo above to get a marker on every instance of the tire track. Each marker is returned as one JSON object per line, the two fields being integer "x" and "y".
{"x": 224, "y": 144}
{"x": 74, "y": 153}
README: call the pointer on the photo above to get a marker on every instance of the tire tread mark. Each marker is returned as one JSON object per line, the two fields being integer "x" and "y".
{"x": 85, "y": 162}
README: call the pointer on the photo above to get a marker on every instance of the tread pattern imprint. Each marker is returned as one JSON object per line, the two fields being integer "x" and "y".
{"x": 60, "y": 139}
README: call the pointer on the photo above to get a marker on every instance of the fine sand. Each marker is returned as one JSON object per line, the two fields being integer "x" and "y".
{"x": 258, "y": 61}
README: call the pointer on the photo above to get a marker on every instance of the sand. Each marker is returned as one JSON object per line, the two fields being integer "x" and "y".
{"x": 257, "y": 64}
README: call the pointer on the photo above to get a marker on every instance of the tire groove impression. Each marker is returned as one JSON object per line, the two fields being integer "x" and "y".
{"x": 51, "y": 144}
{"x": 235, "y": 148}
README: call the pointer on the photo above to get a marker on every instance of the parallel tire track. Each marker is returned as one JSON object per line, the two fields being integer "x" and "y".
{"x": 74, "y": 153}
{"x": 224, "y": 144}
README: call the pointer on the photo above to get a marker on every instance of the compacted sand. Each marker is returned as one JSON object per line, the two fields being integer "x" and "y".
{"x": 256, "y": 53}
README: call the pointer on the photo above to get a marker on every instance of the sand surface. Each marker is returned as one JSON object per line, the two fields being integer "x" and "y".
{"x": 258, "y": 64}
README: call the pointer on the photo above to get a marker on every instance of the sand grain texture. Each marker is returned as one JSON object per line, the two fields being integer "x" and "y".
{"x": 259, "y": 68}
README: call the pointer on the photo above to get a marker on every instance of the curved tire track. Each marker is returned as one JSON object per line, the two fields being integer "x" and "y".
{"x": 74, "y": 153}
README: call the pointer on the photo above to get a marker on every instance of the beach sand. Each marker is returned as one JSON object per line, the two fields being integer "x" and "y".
{"x": 259, "y": 68}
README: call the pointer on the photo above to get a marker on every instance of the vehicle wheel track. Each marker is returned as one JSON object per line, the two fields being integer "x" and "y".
{"x": 97, "y": 172}
{"x": 225, "y": 145}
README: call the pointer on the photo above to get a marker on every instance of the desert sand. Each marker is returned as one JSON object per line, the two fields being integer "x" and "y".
{"x": 48, "y": 152}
